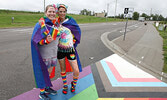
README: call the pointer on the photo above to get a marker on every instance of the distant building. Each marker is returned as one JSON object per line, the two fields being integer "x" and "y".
{"x": 141, "y": 19}
{"x": 100, "y": 14}
{"x": 151, "y": 18}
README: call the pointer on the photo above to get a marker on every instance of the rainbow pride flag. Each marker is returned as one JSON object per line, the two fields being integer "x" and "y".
{"x": 54, "y": 32}
{"x": 41, "y": 74}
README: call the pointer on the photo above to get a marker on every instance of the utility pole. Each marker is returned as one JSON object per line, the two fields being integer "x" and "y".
{"x": 115, "y": 8}
{"x": 107, "y": 8}
{"x": 44, "y": 6}
{"x": 151, "y": 12}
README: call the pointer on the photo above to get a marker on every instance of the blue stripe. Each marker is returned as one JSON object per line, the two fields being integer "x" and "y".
{"x": 82, "y": 84}
{"x": 115, "y": 83}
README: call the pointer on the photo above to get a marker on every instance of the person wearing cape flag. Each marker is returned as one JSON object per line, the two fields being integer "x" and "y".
{"x": 44, "y": 44}
{"x": 67, "y": 56}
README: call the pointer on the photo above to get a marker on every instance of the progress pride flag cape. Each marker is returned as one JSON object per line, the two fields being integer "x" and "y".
{"x": 40, "y": 69}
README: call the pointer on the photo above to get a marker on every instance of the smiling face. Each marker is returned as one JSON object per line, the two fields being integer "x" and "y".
{"x": 50, "y": 13}
{"x": 62, "y": 13}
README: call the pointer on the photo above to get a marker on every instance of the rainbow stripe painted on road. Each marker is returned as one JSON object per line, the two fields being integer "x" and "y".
{"x": 132, "y": 99}
{"x": 141, "y": 82}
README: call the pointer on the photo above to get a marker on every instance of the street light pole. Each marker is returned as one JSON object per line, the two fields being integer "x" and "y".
{"x": 115, "y": 8}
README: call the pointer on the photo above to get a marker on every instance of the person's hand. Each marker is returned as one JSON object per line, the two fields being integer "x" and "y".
{"x": 41, "y": 22}
{"x": 49, "y": 38}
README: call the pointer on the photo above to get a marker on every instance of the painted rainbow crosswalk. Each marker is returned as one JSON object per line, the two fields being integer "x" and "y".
{"x": 112, "y": 78}
{"x": 117, "y": 81}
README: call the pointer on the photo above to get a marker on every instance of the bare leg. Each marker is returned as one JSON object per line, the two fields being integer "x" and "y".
{"x": 74, "y": 65}
{"x": 62, "y": 65}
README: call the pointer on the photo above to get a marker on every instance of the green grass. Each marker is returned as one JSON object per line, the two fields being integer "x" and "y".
{"x": 20, "y": 20}
{"x": 92, "y": 19}
{"x": 163, "y": 34}
{"x": 29, "y": 19}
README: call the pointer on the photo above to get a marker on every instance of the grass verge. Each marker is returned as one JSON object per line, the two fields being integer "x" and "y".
{"x": 163, "y": 34}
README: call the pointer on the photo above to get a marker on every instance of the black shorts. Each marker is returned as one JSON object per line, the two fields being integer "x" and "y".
{"x": 69, "y": 55}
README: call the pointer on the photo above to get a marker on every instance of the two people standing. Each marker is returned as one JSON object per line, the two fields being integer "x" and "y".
{"x": 55, "y": 38}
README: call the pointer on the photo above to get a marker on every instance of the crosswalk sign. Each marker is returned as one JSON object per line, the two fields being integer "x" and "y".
{"x": 126, "y": 10}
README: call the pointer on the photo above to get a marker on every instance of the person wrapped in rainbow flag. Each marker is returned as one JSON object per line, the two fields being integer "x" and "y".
{"x": 67, "y": 53}
{"x": 44, "y": 44}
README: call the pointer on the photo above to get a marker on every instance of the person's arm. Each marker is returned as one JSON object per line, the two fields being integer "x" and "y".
{"x": 46, "y": 41}
{"x": 42, "y": 21}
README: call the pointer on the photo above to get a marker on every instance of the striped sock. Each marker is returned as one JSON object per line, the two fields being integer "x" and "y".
{"x": 75, "y": 79}
{"x": 63, "y": 76}
{"x": 42, "y": 91}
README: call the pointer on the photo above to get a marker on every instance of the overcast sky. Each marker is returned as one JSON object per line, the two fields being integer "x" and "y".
{"x": 75, "y": 6}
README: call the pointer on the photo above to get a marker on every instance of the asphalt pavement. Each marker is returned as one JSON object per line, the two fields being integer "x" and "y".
{"x": 134, "y": 71}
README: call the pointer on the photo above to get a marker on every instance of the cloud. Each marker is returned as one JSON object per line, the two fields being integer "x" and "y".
{"x": 26, "y": 5}
{"x": 75, "y": 6}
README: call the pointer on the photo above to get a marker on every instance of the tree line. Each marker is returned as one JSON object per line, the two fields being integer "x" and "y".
{"x": 135, "y": 15}
{"x": 154, "y": 17}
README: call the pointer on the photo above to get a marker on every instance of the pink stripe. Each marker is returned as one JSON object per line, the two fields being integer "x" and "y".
{"x": 120, "y": 79}
{"x": 157, "y": 98}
